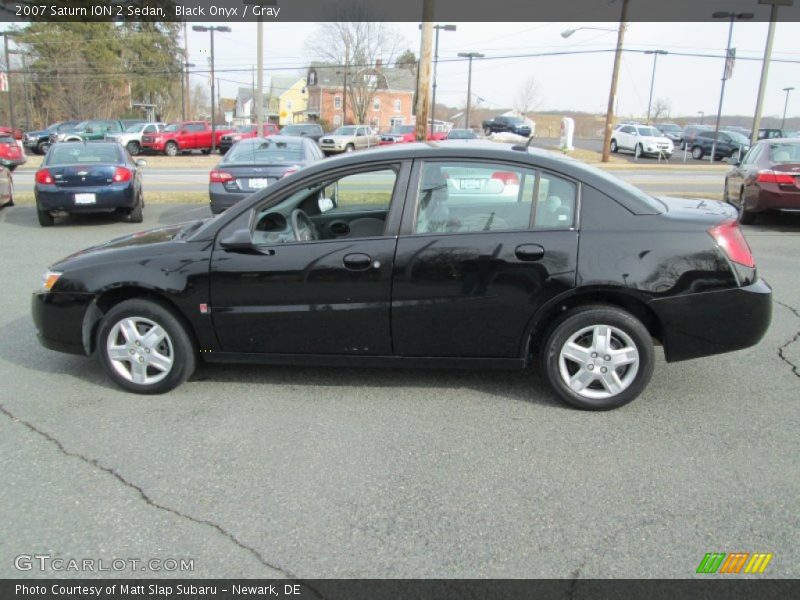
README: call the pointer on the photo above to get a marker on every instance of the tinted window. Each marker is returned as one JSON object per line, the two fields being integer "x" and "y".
{"x": 456, "y": 197}
{"x": 784, "y": 153}
{"x": 649, "y": 131}
{"x": 82, "y": 153}
{"x": 195, "y": 127}
{"x": 266, "y": 151}
{"x": 148, "y": 129}
{"x": 172, "y": 127}
{"x": 555, "y": 202}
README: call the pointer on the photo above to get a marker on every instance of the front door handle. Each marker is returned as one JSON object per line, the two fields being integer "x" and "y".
{"x": 357, "y": 262}
{"x": 529, "y": 252}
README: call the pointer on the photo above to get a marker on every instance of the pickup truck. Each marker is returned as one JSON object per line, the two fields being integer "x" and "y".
{"x": 39, "y": 141}
{"x": 182, "y": 137}
{"x": 93, "y": 129}
{"x": 349, "y": 138}
{"x": 131, "y": 138}
{"x": 244, "y": 132}
{"x": 507, "y": 124}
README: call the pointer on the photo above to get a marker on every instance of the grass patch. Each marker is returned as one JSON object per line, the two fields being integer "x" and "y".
{"x": 24, "y": 198}
{"x": 183, "y": 161}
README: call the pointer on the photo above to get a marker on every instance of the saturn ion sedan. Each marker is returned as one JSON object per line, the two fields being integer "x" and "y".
{"x": 449, "y": 254}
{"x": 88, "y": 177}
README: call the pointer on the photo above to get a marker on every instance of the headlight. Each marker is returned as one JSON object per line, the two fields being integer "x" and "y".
{"x": 236, "y": 138}
{"x": 49, "y": 280}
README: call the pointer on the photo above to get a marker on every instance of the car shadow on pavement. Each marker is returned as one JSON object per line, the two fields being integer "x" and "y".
{"x": 19, "y": 346}
{"x": 25, "y": 216}
{"x": 775, "y": 221}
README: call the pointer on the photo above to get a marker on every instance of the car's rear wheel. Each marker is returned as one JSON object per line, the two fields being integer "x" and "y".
{"x": 746, "y": 217}
{"x": 144, "y": 347}
{"x": 42, "y": 148}
{"x": 697, "y": 153}
{"x": 136, "y": 214}
{"x": 171, "y": 149}
{"x": 133, "y": 148}
{"x": 614, "y": 147}
{"x": 45, "y": 218}
{"x": 598, "y": 357}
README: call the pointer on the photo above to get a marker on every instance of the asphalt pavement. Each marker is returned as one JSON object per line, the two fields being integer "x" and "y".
{"x": 255, "y": 471}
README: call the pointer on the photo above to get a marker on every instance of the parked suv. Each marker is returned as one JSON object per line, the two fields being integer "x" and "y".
{"x": 690, "y": 132}
{"x": 182, "y": 137}
{"x": 311, "y": 130}
{"x": 39, "y": 141}
{"x": 131, "y": 138}
{"x": 642, "y": 140}
{"x": 671, "y": 131}
{"x": 349, "y": 138}
{"x": 507, "y": 124}
{"x": 729, "y": 143}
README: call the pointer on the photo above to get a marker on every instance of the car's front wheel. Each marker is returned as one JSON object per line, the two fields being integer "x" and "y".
{"x": 697, "y": 152}
{"x": 171, "y": 149}
{"x": 614, "y": 147}
{"x": 598, "y": 357}
{"x": 133, "y": 148}
{"x": 144, "y": 348}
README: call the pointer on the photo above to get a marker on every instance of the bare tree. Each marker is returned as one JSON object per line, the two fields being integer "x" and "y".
{"x": 661, "y": 109}
{"x": 529, "y": 96}
{"x": 354, "y": 36}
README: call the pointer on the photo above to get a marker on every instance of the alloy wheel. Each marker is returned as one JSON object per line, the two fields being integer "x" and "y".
{"x": 598, "y": 362}
{"x": 140, "y": 350}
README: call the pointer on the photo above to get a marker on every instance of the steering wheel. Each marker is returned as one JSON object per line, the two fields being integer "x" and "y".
{"x": 302, "y": 227}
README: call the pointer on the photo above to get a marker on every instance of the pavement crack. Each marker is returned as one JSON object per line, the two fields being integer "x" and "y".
{"x": 782, "y": 349}
{"x": 148, "y": 500}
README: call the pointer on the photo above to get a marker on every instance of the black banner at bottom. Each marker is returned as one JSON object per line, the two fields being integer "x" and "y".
{"x": 400, "y": 589}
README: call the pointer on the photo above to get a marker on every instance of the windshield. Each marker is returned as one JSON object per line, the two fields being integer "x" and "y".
{"x": 738, "y": 137}
{"x": 244, "y": 129}
{"x": 172, "y": 127}
{"x": 80, "y": 126}
{"x": 135, "y": 128}
{"x": 670, "y": 128}
{"x": 784, "y": 153}
{"x": 70, "y": 154}
{"x": 345, "y": 131}
{"x": 266, "y": 151}
{"x": 649, "y": 131}
{"x": 514, "y": 120}
{"x": 298, "y": 129}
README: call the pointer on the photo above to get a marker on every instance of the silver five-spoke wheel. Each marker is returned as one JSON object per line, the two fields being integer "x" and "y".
{"x": 140, "y": 350}
{"x": 598, "y": 362}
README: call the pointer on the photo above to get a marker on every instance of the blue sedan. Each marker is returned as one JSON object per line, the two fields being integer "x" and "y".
{"x": 85, "y": 177}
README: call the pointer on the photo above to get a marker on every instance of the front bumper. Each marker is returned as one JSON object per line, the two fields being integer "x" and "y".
{"x": 714, "y": 322}
{"x": 51, "y": 197}
{"x": 59, "y": 320}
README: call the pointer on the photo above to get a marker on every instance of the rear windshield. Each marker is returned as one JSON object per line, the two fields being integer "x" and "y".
{"x": 266, "y": 151}
{"x": 7, "y": 139}
{"x": 784, "y": 152}
{"x": 61, "y": 154}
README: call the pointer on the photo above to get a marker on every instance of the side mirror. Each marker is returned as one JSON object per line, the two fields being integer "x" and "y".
{"x": 239, "y": 241}
{"x": 141, "y": 162}
{"x": 325, "y": 204}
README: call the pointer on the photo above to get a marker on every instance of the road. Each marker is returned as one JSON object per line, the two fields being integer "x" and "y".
{"x": 323, "y": 472}
{"x": 657, "y": 180}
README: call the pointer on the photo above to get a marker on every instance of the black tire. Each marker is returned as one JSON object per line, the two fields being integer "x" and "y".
{"x": 487, "y": 131}
{"x": 697, "y": 153}
{"x": 614, "y": 147}
{"x": 171, "y": 149}
{"x": 745, "y": 216}
{"x": 585, "y": 317}
{"x": 136, "y": 214}
{"x": 206, "y": 151}
{"x": 45, "y": 218}
{"x": 177, "y": 345}
{"x": 349, "y": 148}
{"x": 133, "y": 148}
{"x": 42, "y": 148}
{"x": 11, "y": 167}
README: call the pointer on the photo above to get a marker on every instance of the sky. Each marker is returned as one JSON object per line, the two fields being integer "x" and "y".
{"x": 569, "y": 83}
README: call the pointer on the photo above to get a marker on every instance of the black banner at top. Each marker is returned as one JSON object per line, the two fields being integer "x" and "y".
{"x": 395, "y": 10}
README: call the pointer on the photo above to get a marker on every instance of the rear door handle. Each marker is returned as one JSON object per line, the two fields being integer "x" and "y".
{"x": 529, "y": 252}
{"x": 357, "y": 262}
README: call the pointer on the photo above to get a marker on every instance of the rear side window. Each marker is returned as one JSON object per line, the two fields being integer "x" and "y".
{"x": 555, "y": 202}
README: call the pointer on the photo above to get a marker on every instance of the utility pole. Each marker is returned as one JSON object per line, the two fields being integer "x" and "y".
{"x": 424, "y": 82}
{"x": 260, "y": 78}
{"x": 655, "y": 54}
{"x": 762, "y": 85}
{"x": 470, "y": 56}
{"x": 785, "y": 105}
{"x": 221, "y": 29}
{"x": 25, "y": 86}
{"x": 5, "y": 35}
{"x": 344, "y": 82}
{"x": 185, "y": 99}
{"x": 614, "y": 81}
{"x": 438, "y": 28}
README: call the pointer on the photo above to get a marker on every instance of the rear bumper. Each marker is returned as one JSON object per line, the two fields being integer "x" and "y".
{"x": 50, "y": 197}
{"x": 13, "y": 162}
{"x": 59, "y": 318}
{"x": 709, "y": 323}
{"x": 222, "y": 199}
{"x": 771, "y": 197}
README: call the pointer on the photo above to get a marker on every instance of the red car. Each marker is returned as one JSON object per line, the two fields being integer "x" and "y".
{"x": 11, "y": 153}
{"x": 16, "y": 131}
{"x": 182, "y": 137}
{"x": 767, "y": 178}
{"x": 243, "y": 132}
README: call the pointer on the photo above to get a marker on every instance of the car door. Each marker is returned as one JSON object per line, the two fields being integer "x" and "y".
{"x": 483, "y": 245}
{"x": 625, "y": 137}
{"x": 312, "y": 296}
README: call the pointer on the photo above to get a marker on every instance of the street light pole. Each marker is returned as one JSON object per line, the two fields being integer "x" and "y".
{"x": 655, "y": 54}
{"x": 733, "y": 17}
{"x": 435, "y": 65}
{"x": 221, "y": 29}
{"x": 785, "y": 105}
{"x": 470, "y": 56}
{"x": 702, "y": 115}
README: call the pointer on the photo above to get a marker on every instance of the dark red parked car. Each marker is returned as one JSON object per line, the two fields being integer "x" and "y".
{"x": 245, "y": 132}
{"x": 11, "y": 153}
{"x": 767, "y": 178}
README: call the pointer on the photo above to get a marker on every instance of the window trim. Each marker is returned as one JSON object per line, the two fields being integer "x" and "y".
{"x": 412, "y": 198}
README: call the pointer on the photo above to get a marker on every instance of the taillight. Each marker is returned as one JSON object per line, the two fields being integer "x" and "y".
{"x": 121, "y": 174}
{"x": 43, "y": 176}
{"x": 729, "y": 237}
{"x": 768, "y": 176}
{"x": 219, "y": 176}
{"x": 290, "y": 170}
{"x": 507, "y": 177}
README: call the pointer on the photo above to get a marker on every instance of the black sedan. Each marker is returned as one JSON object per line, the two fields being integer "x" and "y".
{"x": 81, "y": 177}
{"x": 431, "y": 255}
{"x": 253, "y": 164}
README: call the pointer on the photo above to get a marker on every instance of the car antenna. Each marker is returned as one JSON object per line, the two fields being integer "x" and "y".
{"x": 523, "y": 147}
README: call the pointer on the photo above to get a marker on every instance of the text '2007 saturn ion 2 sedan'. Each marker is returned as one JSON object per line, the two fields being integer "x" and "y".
{"x": 88, "y": 177}
{"x": 451, "y": 254}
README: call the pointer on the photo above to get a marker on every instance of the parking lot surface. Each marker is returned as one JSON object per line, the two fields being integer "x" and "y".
{"x": 258, "y": 471}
